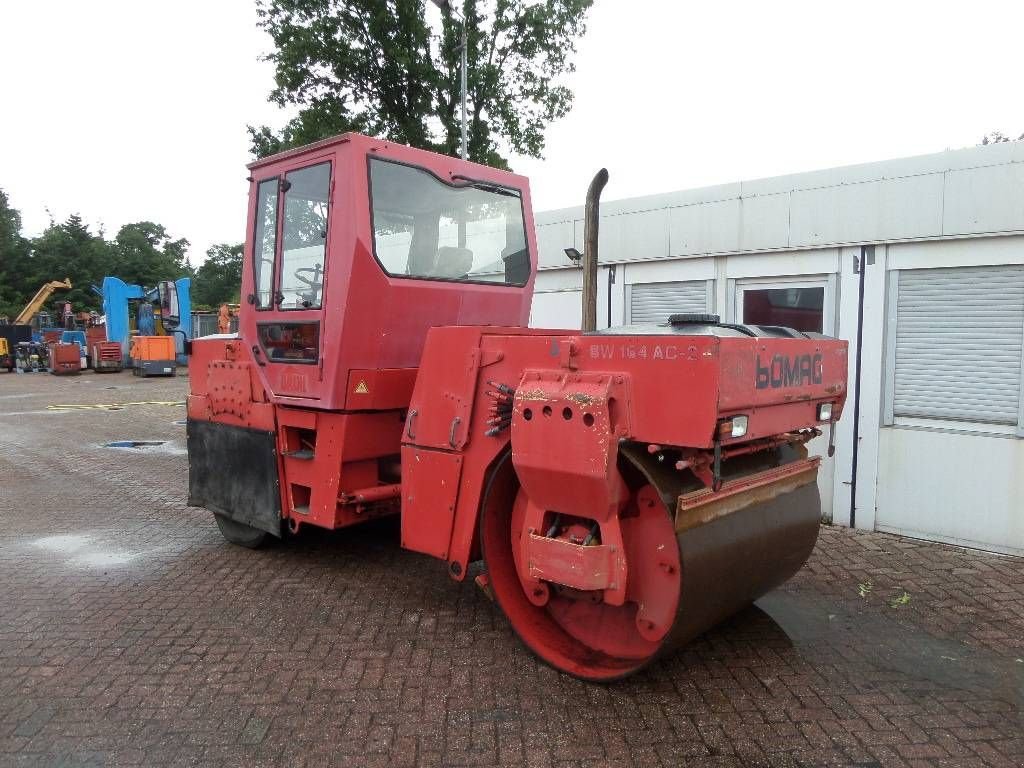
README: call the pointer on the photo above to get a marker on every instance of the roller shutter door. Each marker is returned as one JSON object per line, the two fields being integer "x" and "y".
{"x": 654, "y": 302}
{"x": 958, "y": 341}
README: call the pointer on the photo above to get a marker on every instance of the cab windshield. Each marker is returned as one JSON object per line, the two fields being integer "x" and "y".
{"x": 426, "y": 228}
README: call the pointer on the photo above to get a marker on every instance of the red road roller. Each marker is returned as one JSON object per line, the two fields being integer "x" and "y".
{"x": 625, "y": 489}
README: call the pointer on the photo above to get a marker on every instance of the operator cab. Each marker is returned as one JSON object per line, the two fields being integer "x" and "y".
{"x": 356, "y": 247}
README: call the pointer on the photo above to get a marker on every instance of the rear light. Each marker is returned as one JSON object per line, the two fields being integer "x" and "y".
{"x": 733, "y": 426}
{"x": 825, "y": 412}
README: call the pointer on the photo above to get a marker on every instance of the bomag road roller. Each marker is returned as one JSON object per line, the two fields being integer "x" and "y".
{"x": 625, "y": 489}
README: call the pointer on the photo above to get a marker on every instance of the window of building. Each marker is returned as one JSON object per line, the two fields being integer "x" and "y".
{"x": 426, "y": 228}
{"x": 955, "y": 345}
{"x": 800, "y": 308}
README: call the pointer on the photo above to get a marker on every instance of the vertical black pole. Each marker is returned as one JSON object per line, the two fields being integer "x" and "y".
{"x": 864, "y": 251}
{"x": 611, "y": 282}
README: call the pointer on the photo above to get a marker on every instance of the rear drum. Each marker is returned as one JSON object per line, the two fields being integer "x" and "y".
{"x": 688, "y": 581}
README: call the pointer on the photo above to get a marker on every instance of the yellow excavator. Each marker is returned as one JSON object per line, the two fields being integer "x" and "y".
{"x": 25, "y": 316}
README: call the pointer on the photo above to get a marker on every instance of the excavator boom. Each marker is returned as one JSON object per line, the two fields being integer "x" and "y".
{"x": 37, "y": 302}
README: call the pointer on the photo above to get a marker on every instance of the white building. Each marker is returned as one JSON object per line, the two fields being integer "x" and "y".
{"x": 941, "y": 427}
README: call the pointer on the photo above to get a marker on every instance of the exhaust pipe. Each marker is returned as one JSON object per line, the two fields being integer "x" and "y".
{"x": 591, "y": 220}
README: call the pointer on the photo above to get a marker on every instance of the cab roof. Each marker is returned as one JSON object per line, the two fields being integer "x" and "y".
{"x": 315, "y": 146}
{"x": 399, "y": 152}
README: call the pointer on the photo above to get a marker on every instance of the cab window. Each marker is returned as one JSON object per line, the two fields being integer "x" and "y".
{"x": 304, "y": 237}
{"x": 265, "y": 242}
{"x": 424, "y": 227}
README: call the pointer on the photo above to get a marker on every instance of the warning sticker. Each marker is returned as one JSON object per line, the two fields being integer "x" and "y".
{"x": 361, "y": 388}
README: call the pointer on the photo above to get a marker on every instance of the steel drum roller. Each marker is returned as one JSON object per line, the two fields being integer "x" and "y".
{"x": 702, "y": 573}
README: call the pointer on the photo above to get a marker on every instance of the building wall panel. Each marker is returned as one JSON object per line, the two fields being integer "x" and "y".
{"x": 839, "y": 214}
{"x": 557, "y": 309}
{"x": 986, "y": 199}
{"x": 552, "y": 239}
{"x": 634, "y": 236}
{"x": 708, "y": 228}
{"x": 764, "y": 222}
{"x": 910, "y": 207}
{"x": 960, "y": 488}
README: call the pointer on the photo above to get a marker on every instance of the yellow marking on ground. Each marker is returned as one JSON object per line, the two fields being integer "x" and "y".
{"x": 114, "y": 406}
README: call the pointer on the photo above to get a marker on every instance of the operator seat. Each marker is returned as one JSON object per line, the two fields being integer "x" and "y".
{"x": 452, "y": 262}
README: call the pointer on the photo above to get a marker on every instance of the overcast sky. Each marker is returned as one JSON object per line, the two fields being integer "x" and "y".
{"x": 125, "y": 111}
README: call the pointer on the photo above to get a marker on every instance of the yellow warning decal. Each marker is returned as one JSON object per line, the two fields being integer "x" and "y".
{"x": 361, "y": 388}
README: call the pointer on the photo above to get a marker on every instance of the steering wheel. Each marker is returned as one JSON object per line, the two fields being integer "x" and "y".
{"x": 314, "y": 283}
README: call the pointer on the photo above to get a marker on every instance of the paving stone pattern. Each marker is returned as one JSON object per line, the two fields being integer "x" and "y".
{"x": 131, "y": 634}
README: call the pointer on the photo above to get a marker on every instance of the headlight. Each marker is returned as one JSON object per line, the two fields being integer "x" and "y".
{"x": 825, "y": 412}
{"x": 739, "y": 426}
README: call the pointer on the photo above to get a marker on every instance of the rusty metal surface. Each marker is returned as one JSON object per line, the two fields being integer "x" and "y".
{"x": 703, "y": 506}
{"x": 732, "y": 560}
{"x": 729, "y": 559}
{"x": 741, "y": 542}
{"x": 565, "y": 440}
{"x": 591, "y": 224}
{"x": 579, "y": 567}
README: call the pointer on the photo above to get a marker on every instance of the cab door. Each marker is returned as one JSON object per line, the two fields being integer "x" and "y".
{"x": 290, "y": 258}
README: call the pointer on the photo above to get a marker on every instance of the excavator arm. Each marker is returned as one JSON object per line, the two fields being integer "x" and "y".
{"x": 40, "y": 298}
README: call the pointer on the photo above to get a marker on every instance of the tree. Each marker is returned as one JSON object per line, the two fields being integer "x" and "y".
{"x": 997, "y": 137}
{"x": 145, "y": 254}
{"x": 69, "y": 250}
{"x": 219, "y": 279}
{"x": 14, "y": 250}
{"x": 374, "y": 66}
{"x": 142, "y": 252}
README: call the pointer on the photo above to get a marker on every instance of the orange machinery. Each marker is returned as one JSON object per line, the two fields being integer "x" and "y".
{"x": 153, "y": 356}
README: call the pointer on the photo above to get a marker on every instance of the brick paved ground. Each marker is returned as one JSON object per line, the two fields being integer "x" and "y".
{"x": 131, "y": 634}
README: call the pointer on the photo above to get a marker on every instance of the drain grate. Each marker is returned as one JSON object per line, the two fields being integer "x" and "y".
{"x": 134, "y": 443}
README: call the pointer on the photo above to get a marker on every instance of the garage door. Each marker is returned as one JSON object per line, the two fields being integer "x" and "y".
{"x": 958, "y": 342}
{"x": 654, "y": 302}
{"x": 949, "y": 461}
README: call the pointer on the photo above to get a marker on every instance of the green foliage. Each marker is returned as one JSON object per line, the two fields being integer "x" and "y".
{"x": 374, "y": 66}
{"x": 145, "y": 254}
{"x": 899, "y": 600}
{"x": 997, "y": 137}
{"x": 219, "y": 279}
{"x": 13, "y": 251}
{"x": 141, "y": 253}
{"x": 68, "y": 250}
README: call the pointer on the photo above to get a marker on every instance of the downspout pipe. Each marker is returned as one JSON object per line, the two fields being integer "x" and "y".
{"x": 867, "y": 254}
{"x": 591, "y": 222}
